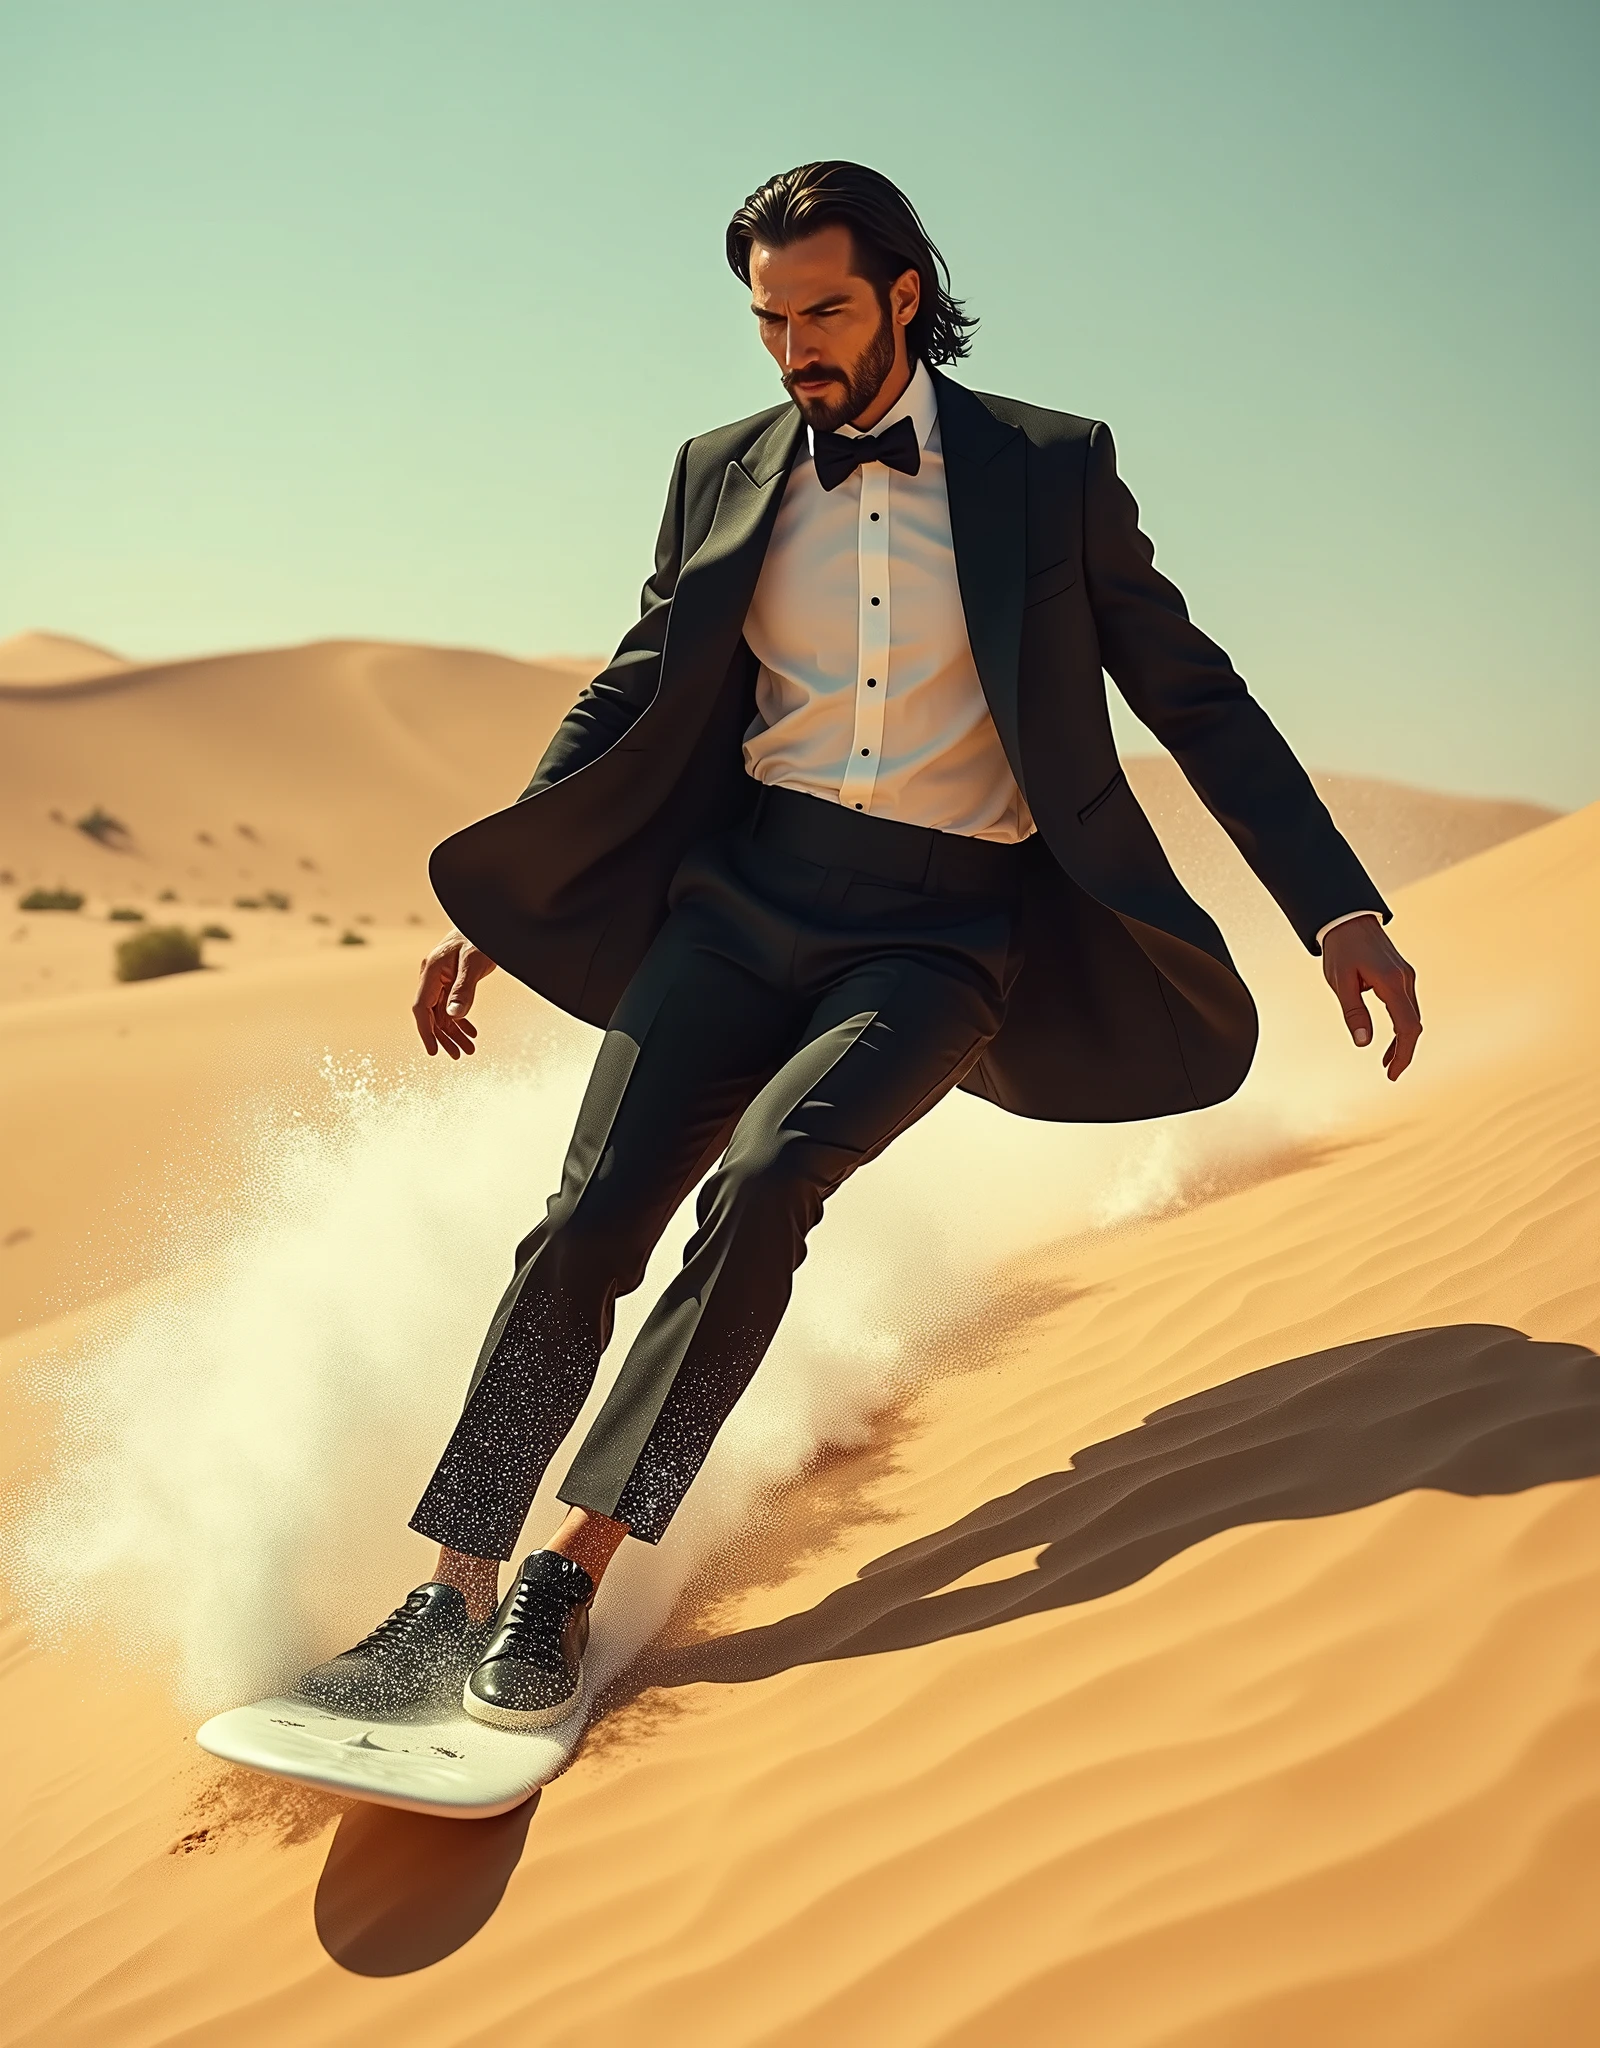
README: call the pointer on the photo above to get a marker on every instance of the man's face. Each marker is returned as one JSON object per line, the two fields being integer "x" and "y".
{"x": 824, "y": 327}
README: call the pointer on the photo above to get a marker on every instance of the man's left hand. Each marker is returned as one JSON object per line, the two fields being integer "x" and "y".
{"x": 1357, "y": 956}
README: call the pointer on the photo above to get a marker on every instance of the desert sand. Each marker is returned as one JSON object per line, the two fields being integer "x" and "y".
{"x": 1191, "y": 1643}
{"x": 37, "y": 660}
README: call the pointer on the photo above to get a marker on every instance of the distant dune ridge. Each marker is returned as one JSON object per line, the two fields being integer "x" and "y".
{"x": 233, "y": 772}
{"x": 1180, "y": 1635}
{"x": 39, "y": 660}
{"x": 1401, "y": 833}
{"x": 359, "y": 756}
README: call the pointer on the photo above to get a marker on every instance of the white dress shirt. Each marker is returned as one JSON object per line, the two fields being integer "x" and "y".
{"x": 867, "y": 694}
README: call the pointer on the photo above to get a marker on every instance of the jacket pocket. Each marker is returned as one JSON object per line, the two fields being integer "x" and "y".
{"x": 1100, "y": 797}
{"x": 1049, "y": 582}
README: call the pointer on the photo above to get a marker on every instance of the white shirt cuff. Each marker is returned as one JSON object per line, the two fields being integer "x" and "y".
{"x": 1346, "y": 919}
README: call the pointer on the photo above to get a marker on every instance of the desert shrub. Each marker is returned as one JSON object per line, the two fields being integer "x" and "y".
{"x": 99, "y": 824}
{"x": 51, "y": 899}
{"x": 124, "y": 913}
{"x": 168, "y": 896}
{"x": 320, "y": 917}
{"x": 164, "y": 949}
{"x": 247, "y": 902}
{"x": 215, "y": 931}
{"x": 352, "y": 939}
{"x": 275, "y": 899}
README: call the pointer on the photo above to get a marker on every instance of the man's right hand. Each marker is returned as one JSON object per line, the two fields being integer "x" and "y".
{"x": 449, "y": 977}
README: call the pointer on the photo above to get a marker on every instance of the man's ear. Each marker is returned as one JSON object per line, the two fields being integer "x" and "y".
{"x": 905, "y": 297}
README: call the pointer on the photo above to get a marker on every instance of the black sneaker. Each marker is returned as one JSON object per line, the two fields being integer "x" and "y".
{"x": 531, "y": 1673}
{"x": 420, "y": 1655}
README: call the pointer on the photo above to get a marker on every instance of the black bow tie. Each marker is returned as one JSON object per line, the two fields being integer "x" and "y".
{"x": 840, "y": 455}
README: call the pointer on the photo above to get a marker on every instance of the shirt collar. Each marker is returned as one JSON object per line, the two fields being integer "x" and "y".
{"x": 919, "y": 403}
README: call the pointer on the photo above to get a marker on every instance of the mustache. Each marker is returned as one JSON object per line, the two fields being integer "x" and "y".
{"x": 814, "y": 373}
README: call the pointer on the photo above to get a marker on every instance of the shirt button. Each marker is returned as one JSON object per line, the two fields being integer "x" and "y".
{"x": 874, "y": 600}
{"x": 872, "y": 515}
{"x": 866, "y": 750}
{"x": 872, "y": 682}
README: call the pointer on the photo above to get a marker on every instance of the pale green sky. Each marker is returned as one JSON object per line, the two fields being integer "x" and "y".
{"x": 369, "y": 317}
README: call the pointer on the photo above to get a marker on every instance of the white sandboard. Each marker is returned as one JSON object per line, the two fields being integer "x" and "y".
{"x": 436, "y": 1761}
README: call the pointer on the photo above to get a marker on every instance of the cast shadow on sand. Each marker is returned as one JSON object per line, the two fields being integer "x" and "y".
{"x": 1471, "y": 1408}
{"x": 402, "y": 1890}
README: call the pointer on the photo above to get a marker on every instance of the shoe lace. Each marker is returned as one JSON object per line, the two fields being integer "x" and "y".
{"x": 535, "y": 1615}
{"x": 396, "y": 1627}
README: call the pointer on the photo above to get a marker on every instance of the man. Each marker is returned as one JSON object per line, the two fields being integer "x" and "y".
{"x": 839, "y": 829}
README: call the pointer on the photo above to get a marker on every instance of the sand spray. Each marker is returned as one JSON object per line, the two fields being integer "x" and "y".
{"x": 244, "y": 1436}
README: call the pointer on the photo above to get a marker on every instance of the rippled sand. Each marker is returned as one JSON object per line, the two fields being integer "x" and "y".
{"x": 1207, "y": 1656}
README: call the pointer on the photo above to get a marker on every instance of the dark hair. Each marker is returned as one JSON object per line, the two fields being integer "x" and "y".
{"x": 888, "y": 237}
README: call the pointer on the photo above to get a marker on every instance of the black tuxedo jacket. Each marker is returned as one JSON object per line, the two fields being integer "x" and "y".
{"x": 1127, "y": 1004}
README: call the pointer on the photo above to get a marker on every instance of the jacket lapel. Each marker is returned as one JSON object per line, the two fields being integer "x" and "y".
{"x": 986, "y": 478}
{"x": 718, "y": 580}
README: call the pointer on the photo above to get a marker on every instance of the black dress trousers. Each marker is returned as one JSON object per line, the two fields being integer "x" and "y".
{"x": 822, "y": 979}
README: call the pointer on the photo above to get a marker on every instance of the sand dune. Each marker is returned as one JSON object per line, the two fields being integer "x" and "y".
{"x": 1401, "y": 833}
{"x": 1203, "y": 1656}
{"x": 43, "y": 660}
{"x": 324, "y": 774}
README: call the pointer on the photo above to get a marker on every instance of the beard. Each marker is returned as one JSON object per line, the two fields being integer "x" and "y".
{"x": 856, "y": 387}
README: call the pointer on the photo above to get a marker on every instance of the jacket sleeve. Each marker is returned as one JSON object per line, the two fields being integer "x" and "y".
{"x": 1185, "y": 689}
{"x": 607, "y": 708}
